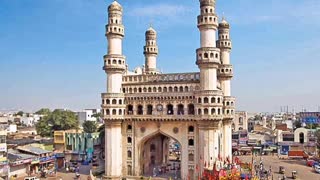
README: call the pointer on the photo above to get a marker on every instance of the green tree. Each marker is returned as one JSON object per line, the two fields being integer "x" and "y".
{"x": 20, "y": 113}
{"x": 57, "y": 120}
{"x": 89, "y": 126}
{"x": 43, "y": 111}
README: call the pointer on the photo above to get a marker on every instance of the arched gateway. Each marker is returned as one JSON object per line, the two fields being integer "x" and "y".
{"x": 171, "y": 125}
{"x": 160, "y": 155}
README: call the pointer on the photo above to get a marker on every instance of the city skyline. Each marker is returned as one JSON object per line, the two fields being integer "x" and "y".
{"x": 51, "y": 53}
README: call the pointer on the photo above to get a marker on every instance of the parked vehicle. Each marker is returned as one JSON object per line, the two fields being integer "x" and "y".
{"x": 298, "y": 154}
{"x": 310, "y": 162}
{"x": 294, "y": 175}
{"x": 317, "y": 168}
{"x": 31, "y": 178}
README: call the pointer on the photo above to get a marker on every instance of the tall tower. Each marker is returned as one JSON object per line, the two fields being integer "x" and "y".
{"x": 151, "y": 51}
{"x": 113, "y": 101}
{"x": 225, "y": 74}
{"x": 209, "y": 98}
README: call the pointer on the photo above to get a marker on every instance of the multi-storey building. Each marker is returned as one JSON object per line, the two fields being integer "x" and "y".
{"x": 143, "y": 109}
{"x": 3, "y": 152}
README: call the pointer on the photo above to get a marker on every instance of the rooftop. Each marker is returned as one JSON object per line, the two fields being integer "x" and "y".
{"x": 33, "y": 150}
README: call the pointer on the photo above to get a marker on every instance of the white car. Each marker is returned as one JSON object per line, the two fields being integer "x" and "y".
{"x": 317, "y": 168}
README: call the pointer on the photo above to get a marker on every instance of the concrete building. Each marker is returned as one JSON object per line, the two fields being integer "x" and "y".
{"x": 73, "y": 145}
{"x": 87, "y": 115}
{"x": 195, "y": 109}
{"x": 3, "y": 153}
{"x": 240, "y": 121}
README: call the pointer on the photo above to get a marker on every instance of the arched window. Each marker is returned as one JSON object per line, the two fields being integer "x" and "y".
{"x": 186, "y": 89}
{"x": 129, "y": 154}
{"x": 191, "y": 157}
{"x": 170, "y": 109}
{"x": 301, "y": 137}
{"x": 206, "y": 111}
{"x": 191, "y": 142}
{"x": 149, "y": 109}
{"x": 199, "y": 100}
{"x": 240, "y": 120}
{"x": 149, "y": 89}
{"x": 130, "y": 109}
{"x": 114, "y": 112}
{"x": 211, "y": 55}
{"x": 152, "y": 148}
{"x": 191, "y": 109}
{"x": 190, "y": 129}
{"x": 114, "y": 101}
{"x": 120, "y": 112}
{"x": 140, "y": 110}
{"x": 135, "y": 90}
{"x": 180, "y": 109}
{"x": 199, "y": 112}
{"x": 144, "y": 89}
{"x": 206, "y": 100}
{"x": 213, "y": 111}
{"x": 175, "y": 89}
{"x": 205, "y": 55}
{"x": 218, "y": 100}
{"x": 159, "y": 89}
{"x": 103, "y": 101}
{"x": 219, "y": 111}
{"x": 108, "y": 101}
{"x": 213, "y": 100}
{"x": 165, "y": 89}
{"x": 107, "y": 112}
{"x": 120, "y": 101}
{"x": 129, "y": 140}
{"x": 180, "y": 89}
{"x": 140, "y": 90}
{"x": 170, "y": 89}
{"x": 154, "y": 89}
{"x": 129, "y": 127}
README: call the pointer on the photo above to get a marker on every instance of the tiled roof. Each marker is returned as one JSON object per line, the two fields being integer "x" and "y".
{"x": 33, "y": 150}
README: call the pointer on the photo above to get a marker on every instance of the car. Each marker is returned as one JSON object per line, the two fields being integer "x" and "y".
{"x": 317, "y": 168}
{"x": 31, "y": 178}
{"x": 310, "y": 162}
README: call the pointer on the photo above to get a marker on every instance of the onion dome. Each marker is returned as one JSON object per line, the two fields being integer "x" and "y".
{"x": 151, "y": 31}
{"x": 224, "y": 23}
{"x": 115, "y": 6}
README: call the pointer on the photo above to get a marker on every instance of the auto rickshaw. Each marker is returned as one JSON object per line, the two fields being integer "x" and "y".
{"x": 281, "y": 170}
{"x": 294, "y": 175}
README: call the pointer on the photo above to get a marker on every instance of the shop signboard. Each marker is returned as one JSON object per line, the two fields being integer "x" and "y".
{"x": 3, "y": 147}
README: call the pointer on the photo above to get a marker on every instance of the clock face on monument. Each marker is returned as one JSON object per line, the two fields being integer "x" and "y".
{"x": 159, "y": 107}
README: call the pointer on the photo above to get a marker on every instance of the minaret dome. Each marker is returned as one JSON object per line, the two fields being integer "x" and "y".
{"x": 115, "y": 6}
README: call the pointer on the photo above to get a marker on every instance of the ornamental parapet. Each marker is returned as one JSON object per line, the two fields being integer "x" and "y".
{"x": 161, "y": 117}
{"x": 114, "y": 62}
{"x": 112, "y": 95}
{"x": 225, "y": 71}
{"x": 115, "y": 29}
{"x": 229, "y": 102}
{"x": 209, "y": 93}
{"x": 224, "y": 44}
{"x": 208, "y": 55}
{"x": 159, "y": 78}
{"x": 208, "y": 21}
{"x": 150, "y": 50}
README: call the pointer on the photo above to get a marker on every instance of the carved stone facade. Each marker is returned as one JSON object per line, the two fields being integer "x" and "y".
{"x": 144, "y": 106}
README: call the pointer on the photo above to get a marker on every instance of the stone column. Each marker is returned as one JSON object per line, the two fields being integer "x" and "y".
{"x": 113, "y": 150}
{"x": 227, "y": 140}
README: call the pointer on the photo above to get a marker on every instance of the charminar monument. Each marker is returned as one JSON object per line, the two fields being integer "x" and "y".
{"x": 167, "y": 125}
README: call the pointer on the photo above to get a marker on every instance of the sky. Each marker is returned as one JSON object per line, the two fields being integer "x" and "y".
{"x": 51, "y": 51}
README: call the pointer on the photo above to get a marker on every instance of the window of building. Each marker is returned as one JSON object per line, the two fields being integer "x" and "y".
{"x": 191, "y": 109}
{"x": 191, "y": 157}
{"x": 149, "y": 109}
{"x": 130, "y": 109}
{"x": 129, "y": 140}
{"x": 129, "y": 127}
{"x": 206, "y": 100}
{"x": 180, "y": 109}
{"x": 190, "y": 129}
{"x": 140, "y": 110}
{"x": 170, "y": 109}
{"x": 129, "y": 154}
{"x": 191, "y": 142}
{"x": 114, "y": 101}
{"x": 114, "y": 112}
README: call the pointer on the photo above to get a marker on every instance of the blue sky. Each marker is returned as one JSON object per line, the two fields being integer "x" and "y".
{"x": 51, "y": 51}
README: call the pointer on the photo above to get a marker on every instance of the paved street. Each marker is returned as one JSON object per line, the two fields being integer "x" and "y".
{"x": 304, "y": 172}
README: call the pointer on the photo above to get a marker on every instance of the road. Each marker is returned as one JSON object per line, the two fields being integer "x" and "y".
{"x": 304, "y": 172}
